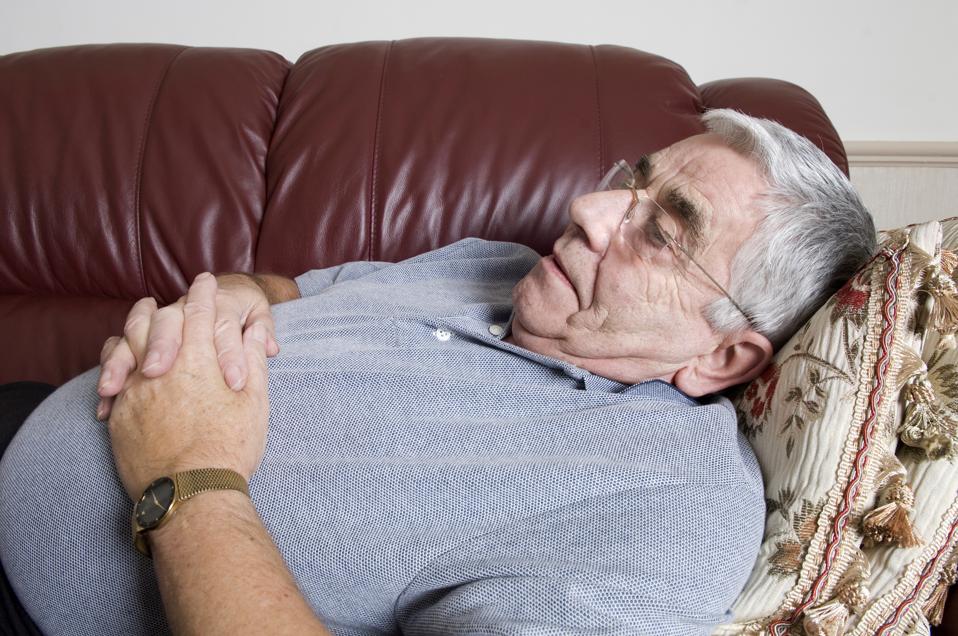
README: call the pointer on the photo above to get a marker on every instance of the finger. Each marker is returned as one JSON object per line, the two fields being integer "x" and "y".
{"x": 164, "y": 340}
{"x": 104, "y": 408}
{"x": 228, "y": 336}
{"x": 199, "y": 313}
{"x": 116, "y": 363}
{"x": 254, "y": 348}
{"x": 137, "y": 327}
{"x": 263, "y": 316}
{"x": 272, "y": 347}
{"x": 105, "y": 352}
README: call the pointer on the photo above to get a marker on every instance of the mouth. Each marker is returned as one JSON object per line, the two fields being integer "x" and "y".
{"x": 554, "y": 265}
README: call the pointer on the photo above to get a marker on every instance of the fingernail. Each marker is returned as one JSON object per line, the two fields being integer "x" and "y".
{"x": 233, "y": 377}
{"x": 100, "y": 410}
{"x": 105, "y": 378}
{"x": 259, "y": 334}
{"x": 152, "y": 359}
{"x": 202, "y": 276}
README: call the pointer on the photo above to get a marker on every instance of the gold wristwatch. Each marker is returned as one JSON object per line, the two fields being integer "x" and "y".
{"x": 161, "y": 498}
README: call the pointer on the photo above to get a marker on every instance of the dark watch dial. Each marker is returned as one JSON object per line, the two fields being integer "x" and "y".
{"x": 156, "y": 500}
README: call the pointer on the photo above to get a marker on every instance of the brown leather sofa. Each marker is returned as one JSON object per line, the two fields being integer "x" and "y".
{"x": 126, "y": 169}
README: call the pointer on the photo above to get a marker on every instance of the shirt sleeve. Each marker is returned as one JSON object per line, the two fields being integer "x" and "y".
{"x": 316, "y": 280}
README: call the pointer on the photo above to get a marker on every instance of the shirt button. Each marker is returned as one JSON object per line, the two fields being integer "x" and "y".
{"x": 442, "y": 335}
{"x": 497, "y": 330}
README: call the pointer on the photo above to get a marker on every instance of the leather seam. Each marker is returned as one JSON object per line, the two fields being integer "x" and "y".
{"x": 371, "y": 254}
{"x": 267, "y": 195}
{"x": 598, "y": 110}
{"x": 138, "y": 179}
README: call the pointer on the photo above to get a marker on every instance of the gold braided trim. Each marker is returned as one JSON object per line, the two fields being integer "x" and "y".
{"x": 847, "y": 548}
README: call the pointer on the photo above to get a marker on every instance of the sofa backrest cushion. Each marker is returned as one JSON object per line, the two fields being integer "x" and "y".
{"x": 126, "y": 169}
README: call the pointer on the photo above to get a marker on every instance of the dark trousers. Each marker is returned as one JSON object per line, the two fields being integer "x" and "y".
{"x": 17, "y": 401}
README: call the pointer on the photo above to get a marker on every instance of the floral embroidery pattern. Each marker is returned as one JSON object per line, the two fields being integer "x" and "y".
{"x": 804, "y": 400}
{"x": 819, "y": 367}
{"x": 849, "y": 306}
{"x": 801, "y": 525}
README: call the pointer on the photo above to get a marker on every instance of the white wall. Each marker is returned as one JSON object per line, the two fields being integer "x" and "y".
{"x": 883, "y": 69}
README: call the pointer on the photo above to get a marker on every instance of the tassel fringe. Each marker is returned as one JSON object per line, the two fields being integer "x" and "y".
{"x": 920, "y": 627}
{"x": 948, "y": 261}
{"x": 826, "y": 620}
{"x": 925, "y": 424}
{"x": 851, "y": 595}
{"x": 944, "y": 293}
{"x": 891, "y": 522}
{"x": 934, "y": 605}
{"x": 947, "y": 342}
{"x": 911, "y": 365}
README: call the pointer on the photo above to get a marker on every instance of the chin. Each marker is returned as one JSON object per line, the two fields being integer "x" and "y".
{"x": 539, "y": 309}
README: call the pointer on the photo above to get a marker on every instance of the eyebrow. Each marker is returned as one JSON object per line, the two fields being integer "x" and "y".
{"x": 692, "y": 218}
{"x": 644, "y": 167}
{"x": 688, "y": 212}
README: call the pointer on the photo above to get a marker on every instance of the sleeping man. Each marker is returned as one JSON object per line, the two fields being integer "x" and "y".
{"x": 477, "y": 440}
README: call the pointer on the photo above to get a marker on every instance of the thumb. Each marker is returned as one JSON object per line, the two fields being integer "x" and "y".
{"x": 254, "y": 347}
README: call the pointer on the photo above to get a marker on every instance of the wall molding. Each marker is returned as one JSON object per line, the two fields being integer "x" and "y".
{"x": 902, "y": 153}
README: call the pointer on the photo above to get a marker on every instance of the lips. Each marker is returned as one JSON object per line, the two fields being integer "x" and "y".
{"x": 560, "y": 271}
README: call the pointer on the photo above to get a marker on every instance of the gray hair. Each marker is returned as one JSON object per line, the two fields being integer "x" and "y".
{"x": 815, "y": 235}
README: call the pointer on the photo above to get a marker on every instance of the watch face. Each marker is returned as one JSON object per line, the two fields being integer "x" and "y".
{"x": 156, "y": 500}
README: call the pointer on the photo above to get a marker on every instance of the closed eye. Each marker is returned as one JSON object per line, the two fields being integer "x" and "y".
{"x": 655, "y": 234}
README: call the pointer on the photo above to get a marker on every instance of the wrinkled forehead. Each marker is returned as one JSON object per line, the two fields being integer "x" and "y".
{"x": 706, "y": 183}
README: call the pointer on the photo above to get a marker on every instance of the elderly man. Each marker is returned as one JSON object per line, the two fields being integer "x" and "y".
{"x": 473, "y": 441}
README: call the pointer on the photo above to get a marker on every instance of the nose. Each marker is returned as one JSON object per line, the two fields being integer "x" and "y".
{"x": 599, "y": 215}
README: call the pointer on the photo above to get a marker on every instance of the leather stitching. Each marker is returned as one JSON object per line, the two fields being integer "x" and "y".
{"x": 371, "y": 253}
{"x": 139, "y": 167}
{"x": 598, "y": 112}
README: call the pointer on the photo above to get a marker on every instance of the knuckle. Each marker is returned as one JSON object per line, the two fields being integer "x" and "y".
{"x": 225, "y": 353}
{"x": 165, "y": 313}
{"x": 131, "y": 323}
{"x": 224, "y": 325}
{"x": 144, "y": 304}
{"x": 194, "y": 308}
{"x": 108, "y": 346}
{"x": 162, "y": 343}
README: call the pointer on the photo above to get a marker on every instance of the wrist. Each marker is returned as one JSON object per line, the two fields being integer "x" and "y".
{"x": 200, "y": 519}
{"x": 276, "y": 289}
{"x": 167, "y": 501}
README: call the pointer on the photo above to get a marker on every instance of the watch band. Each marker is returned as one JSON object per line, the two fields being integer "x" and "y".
{"x": 188, "y": 484}
{"x": 193, "y": 482}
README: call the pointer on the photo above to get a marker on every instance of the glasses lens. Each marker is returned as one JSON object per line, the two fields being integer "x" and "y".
{"x": 656, "y": 235}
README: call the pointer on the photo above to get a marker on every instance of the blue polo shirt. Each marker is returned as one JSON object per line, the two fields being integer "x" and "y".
{"x": 422, "y": 476}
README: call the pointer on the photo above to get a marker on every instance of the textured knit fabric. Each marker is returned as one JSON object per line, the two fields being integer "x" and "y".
{"x": 422, "y": 476}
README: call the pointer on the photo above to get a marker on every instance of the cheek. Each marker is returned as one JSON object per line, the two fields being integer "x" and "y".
{"x": 538, "y": 305}
{"x": 652, "y": 304}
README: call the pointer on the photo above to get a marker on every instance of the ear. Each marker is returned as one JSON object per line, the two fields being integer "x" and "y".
{"x": 739, "y": 358}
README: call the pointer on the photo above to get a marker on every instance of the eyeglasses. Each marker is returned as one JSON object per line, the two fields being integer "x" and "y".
{"x": 657, "y": 239}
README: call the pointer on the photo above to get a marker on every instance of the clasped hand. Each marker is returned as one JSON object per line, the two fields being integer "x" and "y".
{"x": 186, "y": 416}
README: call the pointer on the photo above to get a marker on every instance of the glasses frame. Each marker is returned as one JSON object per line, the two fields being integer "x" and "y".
{"x": 671, "y": 241}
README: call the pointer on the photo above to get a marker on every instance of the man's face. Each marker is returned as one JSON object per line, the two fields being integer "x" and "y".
{"x": 596, "y": 303}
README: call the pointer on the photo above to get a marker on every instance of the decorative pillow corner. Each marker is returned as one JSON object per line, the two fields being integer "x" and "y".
{"x": 909, "y": 585}
{"x": 822, "y": 422}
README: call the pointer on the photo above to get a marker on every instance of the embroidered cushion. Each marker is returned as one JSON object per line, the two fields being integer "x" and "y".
{"x": 823, "y": 421}
{"x": 908, "y": 584}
